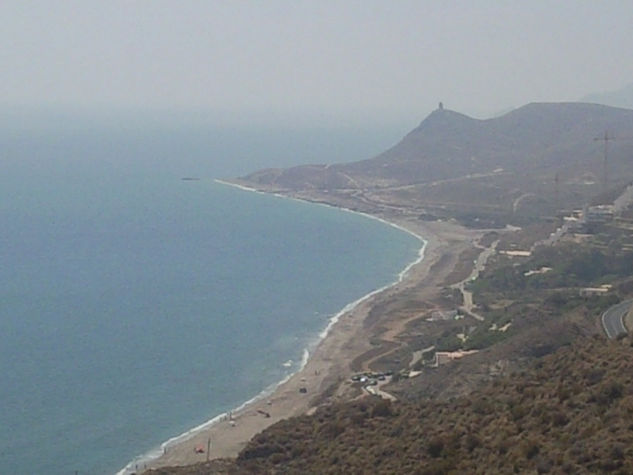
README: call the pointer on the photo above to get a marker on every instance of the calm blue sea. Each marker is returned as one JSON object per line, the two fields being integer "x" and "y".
{"x": 135, "y": 305}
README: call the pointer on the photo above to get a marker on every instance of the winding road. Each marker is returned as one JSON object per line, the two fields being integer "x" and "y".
{"x": 613, "y": 319}
{"x": 467, "y": 295}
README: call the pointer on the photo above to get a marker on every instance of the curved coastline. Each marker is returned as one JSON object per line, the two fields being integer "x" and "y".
{"x": 152, "y": 458}
{"x": 155, "y": 453}
{"x": 350, "y": 306}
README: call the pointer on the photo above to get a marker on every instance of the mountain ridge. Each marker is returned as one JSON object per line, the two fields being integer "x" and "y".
{"x": 529, "y": 126}
{"x": 622, "y": 97}
{"x": 533, "y": 149}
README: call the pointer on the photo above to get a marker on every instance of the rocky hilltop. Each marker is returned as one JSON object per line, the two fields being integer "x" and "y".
{"x": 537, "y": 139}
{"x": 548, "y": 155}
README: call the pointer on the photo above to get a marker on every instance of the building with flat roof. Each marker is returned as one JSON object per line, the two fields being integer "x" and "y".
{"x": 599, "y": 214}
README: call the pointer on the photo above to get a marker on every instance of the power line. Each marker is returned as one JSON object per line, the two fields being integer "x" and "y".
{"x": 606, "y": 139}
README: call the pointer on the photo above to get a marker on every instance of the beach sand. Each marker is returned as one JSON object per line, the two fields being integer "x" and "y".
{"x": 329, "y": 364}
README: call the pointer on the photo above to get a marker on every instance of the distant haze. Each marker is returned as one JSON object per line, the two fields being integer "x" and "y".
{"x": 345, "y": 61}
{"x": 620, "y": 98}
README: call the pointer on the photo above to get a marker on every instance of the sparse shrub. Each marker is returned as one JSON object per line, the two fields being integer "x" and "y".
{"x": 260, "y": 451}
{"x": 438, "y": 467}
{"x": 557, "y": 299}
{"x": 617, "y": 452}
{"x": 297, "y": 451}
{"x": 357, "y": 418}
{"x": 472, "y": 442}
{"x": 435, "y": 447}
{"x": 381, "y": 408}
{"x": 482, "y": 406}
{"x": 503, "y": 447}
{"x": 530, "y": 449}
{"x": 563, "y": 393}
{"x": 612, "y": 391}
{"x": 543, "y": 466}
{"x": 518, "y": 412}
{"x": 594, "y": 376}
{"x": 333, "y": 429}
{"x": 559, "y": 418}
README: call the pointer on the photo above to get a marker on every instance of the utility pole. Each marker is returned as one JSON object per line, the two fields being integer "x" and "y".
{"x": 606, "y": 139}
{"x": 556, "y": 196}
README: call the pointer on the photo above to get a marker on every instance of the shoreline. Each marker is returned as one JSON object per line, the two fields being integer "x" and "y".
{"x": 324, "y": 367}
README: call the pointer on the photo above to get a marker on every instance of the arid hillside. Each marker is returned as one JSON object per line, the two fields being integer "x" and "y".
{"x": 531, "y": 384}
{"x": 570, "y": 412}
{"x": 530, "y": 162}
{"x": 538, "y": 139}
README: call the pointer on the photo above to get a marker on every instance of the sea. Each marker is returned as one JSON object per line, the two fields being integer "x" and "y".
{"x": 135, "y": 305}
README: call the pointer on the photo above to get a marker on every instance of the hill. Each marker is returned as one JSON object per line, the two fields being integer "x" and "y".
{"x": 544, "y": 154}
{"x": 524, "y": 305}
{"x": 535, "y": 139}
{"x": 568, "y": 413}
{"x": 619, "y": 98}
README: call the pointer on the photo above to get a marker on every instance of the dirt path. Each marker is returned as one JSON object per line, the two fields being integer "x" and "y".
{"x": 479, "y": 266}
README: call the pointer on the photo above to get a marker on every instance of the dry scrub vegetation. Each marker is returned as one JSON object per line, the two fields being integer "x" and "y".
{"x": 571, "y": 412}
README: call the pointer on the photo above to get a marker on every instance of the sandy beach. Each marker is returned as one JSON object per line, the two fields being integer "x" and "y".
{"x": 325, "y": 375}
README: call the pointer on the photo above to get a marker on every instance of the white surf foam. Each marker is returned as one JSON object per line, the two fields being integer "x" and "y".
{"x": 155, "y": 453}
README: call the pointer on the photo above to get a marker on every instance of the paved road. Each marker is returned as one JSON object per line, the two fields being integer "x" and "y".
{"x": 377, "y": 391}
{"x": 612, "y": 319}
{"x": 479, "y": 266}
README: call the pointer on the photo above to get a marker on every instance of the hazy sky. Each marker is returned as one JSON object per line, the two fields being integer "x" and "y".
{"x": 355, "y": 60}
